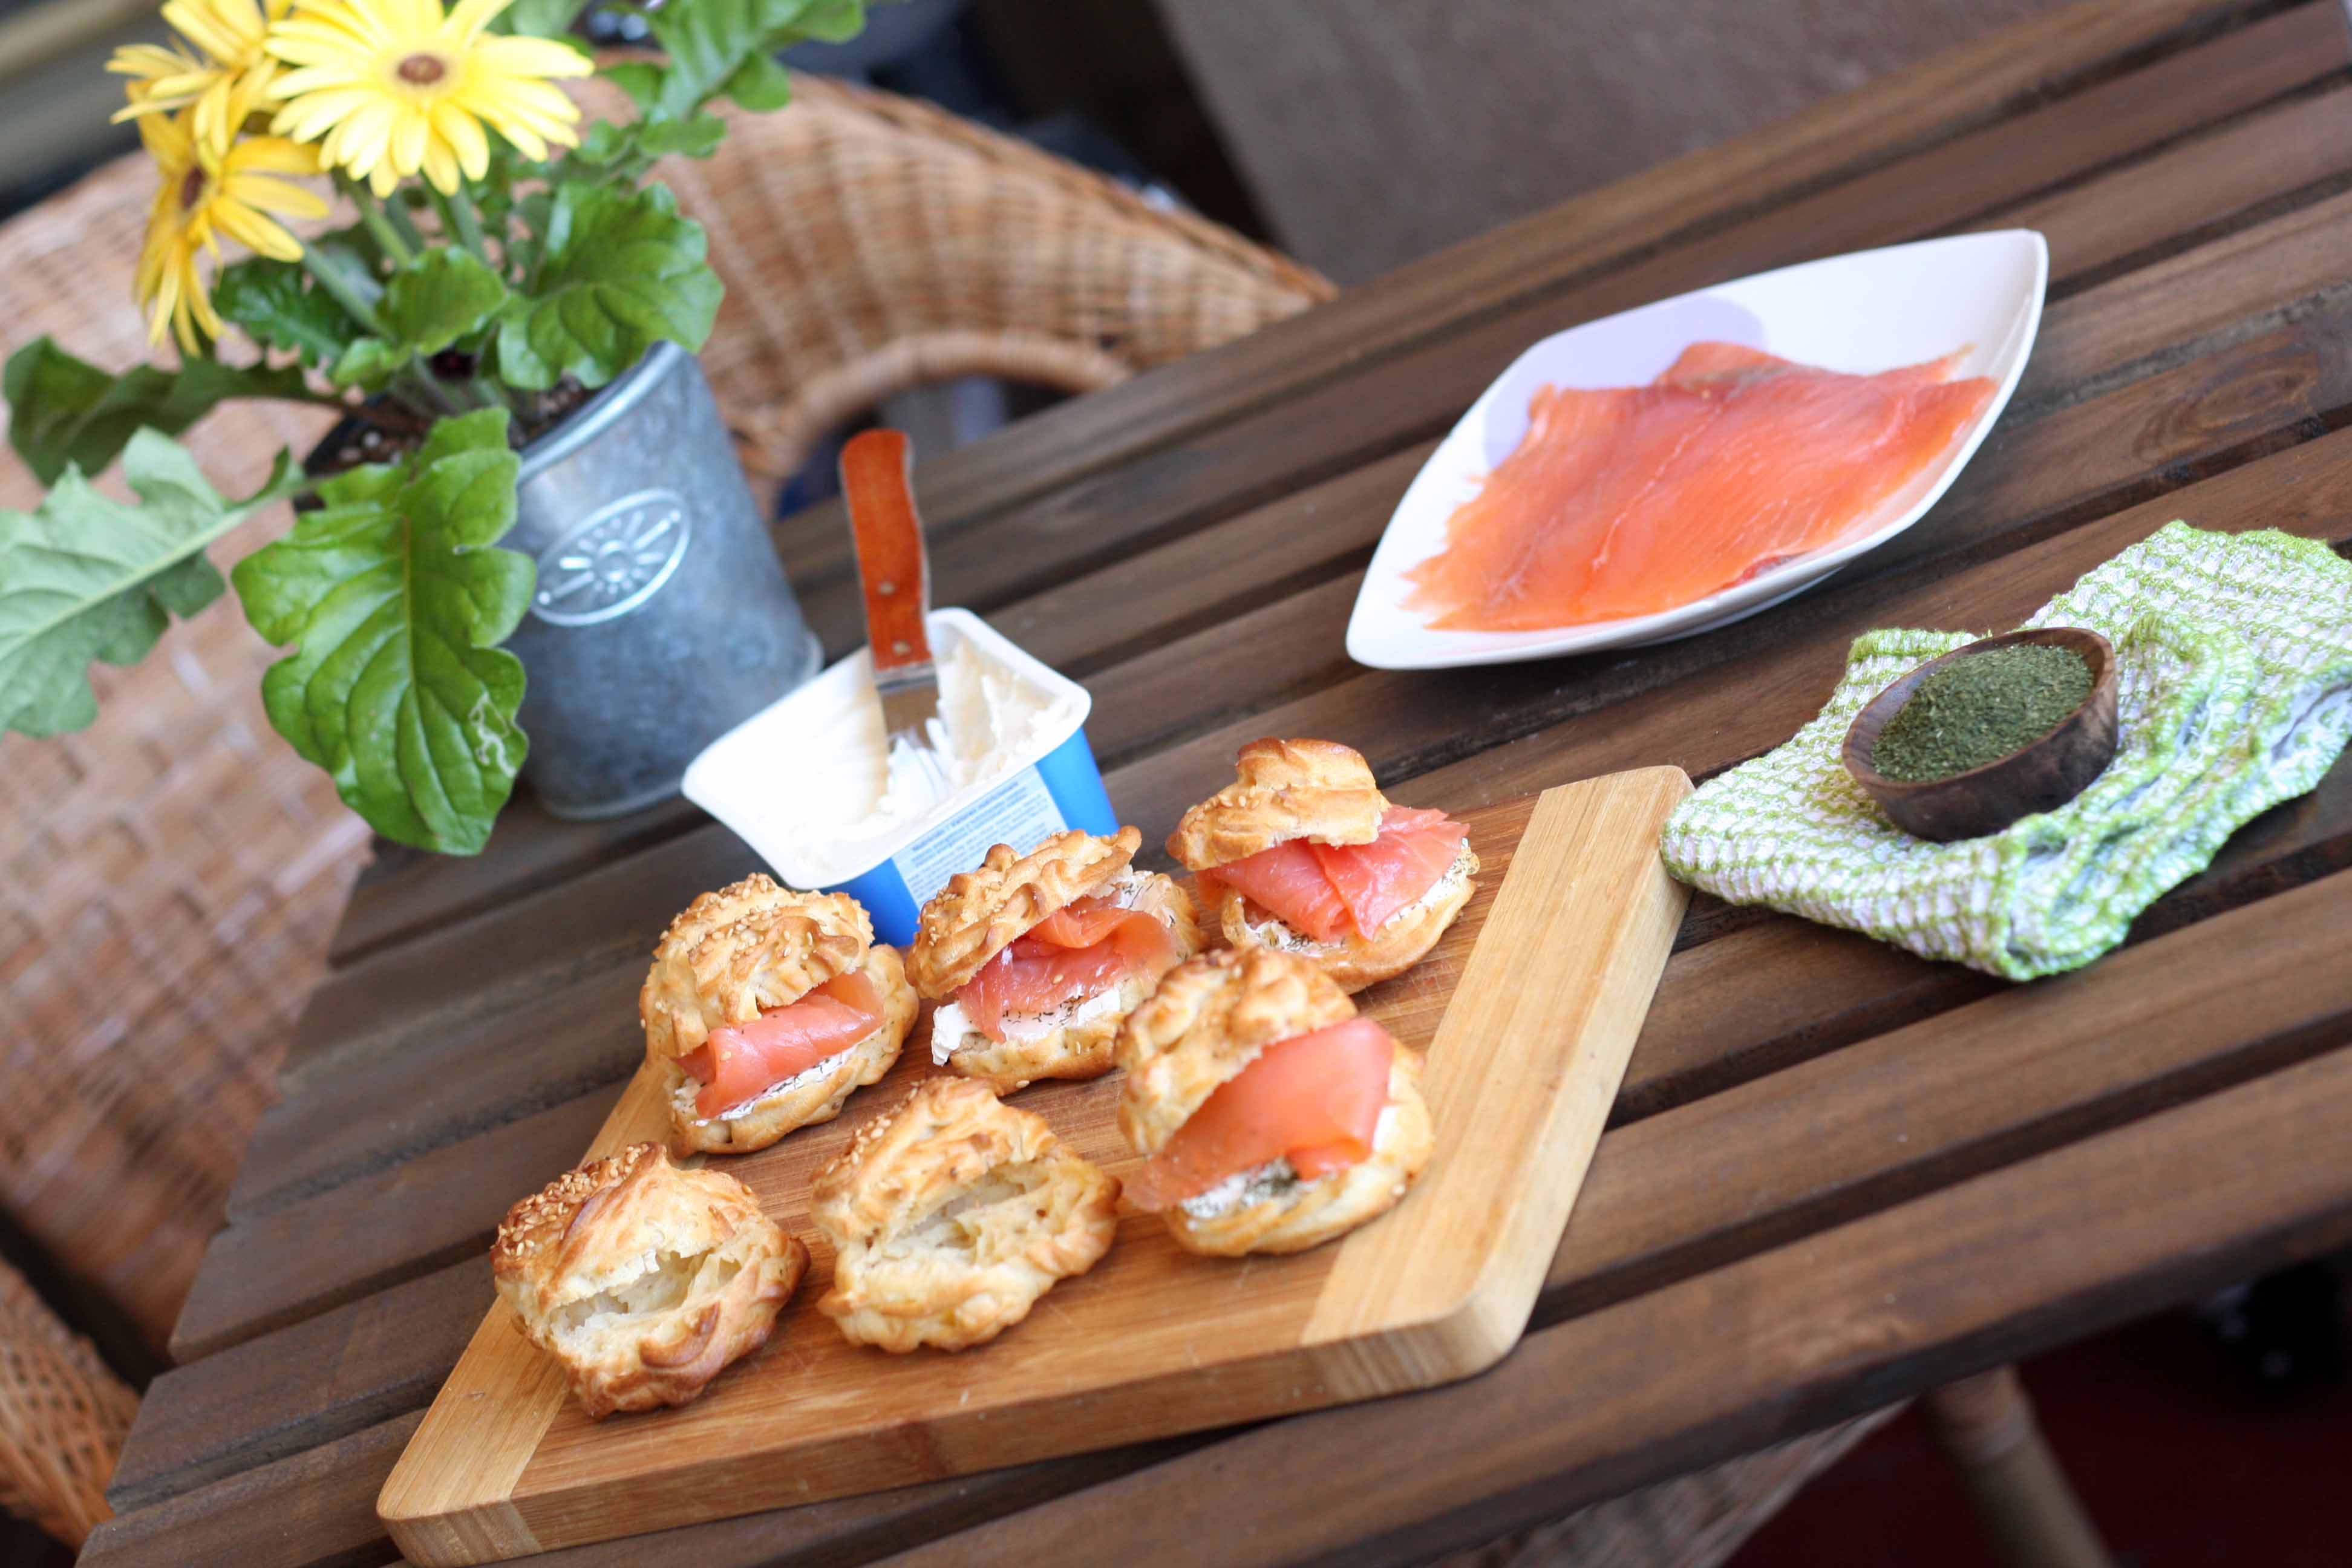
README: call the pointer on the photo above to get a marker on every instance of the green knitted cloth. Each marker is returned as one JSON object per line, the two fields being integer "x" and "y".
{"x": 2234, "y": 669}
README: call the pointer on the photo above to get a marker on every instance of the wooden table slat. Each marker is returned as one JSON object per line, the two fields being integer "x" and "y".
{"x": 2090, "y": 42}
{"x": 1683, "y": 1191}
{"x": 1783, "y": 1342}
{"x": 538, "y": 1052}
{"x": 1814, "y": 1197}
{"x": 2276, "y": 270}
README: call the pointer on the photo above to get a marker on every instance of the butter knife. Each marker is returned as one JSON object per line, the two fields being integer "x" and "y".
{"x": 895, "y": 573}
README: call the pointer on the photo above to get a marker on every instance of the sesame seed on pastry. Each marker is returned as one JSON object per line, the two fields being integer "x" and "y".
{"x": 813, "y": 1096}
{"x": 734, "y": 954}
{"x": 1282, "y": 790}
{"x": 644, "y": 1279}
{"x": 752, "y": 948}
{"x": 979, "y": 913}
{"x": 951, "y": 1217}
{"x": 1210, "y": 1019}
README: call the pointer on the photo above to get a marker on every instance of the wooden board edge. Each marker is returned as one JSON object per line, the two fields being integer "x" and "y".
{"x": 1464, "y": 1318}
{"x": 446, "y": 1509}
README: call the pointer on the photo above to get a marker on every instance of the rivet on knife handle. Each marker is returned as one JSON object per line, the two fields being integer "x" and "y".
{"x": 876, "y": 479}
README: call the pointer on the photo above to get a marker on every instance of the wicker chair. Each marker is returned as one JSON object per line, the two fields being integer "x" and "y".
{"x": 170, "y": 876}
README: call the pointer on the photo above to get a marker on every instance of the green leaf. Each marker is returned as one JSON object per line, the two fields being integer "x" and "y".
{"x": 606, "y": 144}
{"x": 370, "y": 364}
{"x": 543, "y": 18}
{"x": 396, "y": 597}
{"x": 431, "y": 302}
{"x": 66, "y": 412}
{"x": 621, "y": 272}
{"x": 760, "y": 85}
{"x": 438, "y": 298}
{"x": 282, "y": 307}
{"x": 710, "y": 44}
{"x": 86, "y": 577}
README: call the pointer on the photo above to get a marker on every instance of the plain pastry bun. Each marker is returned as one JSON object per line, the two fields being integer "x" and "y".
{"x": 740, "y": 951}
{"x": 952, "y": 1215}
{"x": 1210, "y": 1019}
{"x": 1322, "y": 792}
{"x": 1282, "y": 790}
{"x": 642, "y": 1279}
{"x": 816, "y": 1095}
{"x": 979, "y": 913}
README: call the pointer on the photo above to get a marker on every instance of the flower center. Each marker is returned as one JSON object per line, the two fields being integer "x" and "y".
{"x": 423, "y": 70}
{"x": 192, "y": 189}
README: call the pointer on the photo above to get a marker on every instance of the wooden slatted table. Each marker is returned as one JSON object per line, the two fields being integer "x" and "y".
{"x": 1837, "y": 1174}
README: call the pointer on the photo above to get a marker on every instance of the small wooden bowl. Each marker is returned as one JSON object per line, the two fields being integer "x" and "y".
{"x": 2040, "y": 775}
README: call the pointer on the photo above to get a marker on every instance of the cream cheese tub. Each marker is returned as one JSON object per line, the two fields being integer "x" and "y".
{"x": 807, "y": 784}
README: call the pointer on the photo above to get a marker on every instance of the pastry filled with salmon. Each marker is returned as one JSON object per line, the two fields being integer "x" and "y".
{"x": 765, "y": 1009}
{"x": 1303, "y": 853}
{"x": 1035, "y": 960}
{"x": 1271, "y": 1115}
{"x": 1631, "y": 501}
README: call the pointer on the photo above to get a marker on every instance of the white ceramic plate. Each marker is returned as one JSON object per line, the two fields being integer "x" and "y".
{"x": 1870, "y": 311}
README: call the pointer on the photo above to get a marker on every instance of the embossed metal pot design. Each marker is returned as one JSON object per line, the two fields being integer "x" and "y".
{"x": 662, "y": 617}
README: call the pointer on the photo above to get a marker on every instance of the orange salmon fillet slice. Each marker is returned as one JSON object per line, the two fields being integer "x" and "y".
{"x": 1627, "y": 501}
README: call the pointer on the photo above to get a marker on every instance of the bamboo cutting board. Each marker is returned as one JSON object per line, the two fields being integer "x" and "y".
{"x": 1527, "y": 1010}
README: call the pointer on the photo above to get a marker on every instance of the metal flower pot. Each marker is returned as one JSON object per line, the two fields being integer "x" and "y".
{"x": 662, "y": 617}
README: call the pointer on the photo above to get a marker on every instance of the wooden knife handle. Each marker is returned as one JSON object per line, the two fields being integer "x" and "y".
{"x": 894, "y": 573}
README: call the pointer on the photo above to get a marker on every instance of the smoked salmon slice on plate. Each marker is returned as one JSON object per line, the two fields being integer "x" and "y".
{"x": 1662, "y": 472}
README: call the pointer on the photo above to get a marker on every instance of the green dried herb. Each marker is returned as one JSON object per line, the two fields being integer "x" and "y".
{"x": 1978, "y": 710}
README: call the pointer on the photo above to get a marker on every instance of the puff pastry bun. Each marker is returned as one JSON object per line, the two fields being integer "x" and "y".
{"x": 1210, "y": 1019}
{"x": 1322, "y": 792}
{"x": 952, "y": 1215}
{"x": 981, "y": 912}
{"x": 642, "y": 1279}
{"x": 750, "y": 948}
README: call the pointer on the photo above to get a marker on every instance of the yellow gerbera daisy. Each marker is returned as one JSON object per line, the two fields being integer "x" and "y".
{"x": 207, "y": 191}
{"x": 400, "y": 86}
{"x": 229, "y": 33}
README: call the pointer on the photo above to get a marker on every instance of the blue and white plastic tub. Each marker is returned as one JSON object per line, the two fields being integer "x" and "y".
{"x": 767, "y": 780}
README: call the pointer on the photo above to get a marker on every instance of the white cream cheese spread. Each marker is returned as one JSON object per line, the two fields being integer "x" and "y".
{"x": 846, "y": 795}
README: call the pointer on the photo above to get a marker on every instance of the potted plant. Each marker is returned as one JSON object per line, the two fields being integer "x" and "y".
{"x": 529, "y": 475}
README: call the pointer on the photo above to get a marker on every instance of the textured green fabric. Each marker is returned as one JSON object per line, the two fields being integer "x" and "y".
{"x": 2234, "y": 659}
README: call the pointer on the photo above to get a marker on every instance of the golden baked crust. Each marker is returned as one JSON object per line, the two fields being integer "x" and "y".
{"x": 642, "y": 1279}
{"x": 1083, "y": 1047}
{"x": 748, "y": 946}
{"x": 1282, "y": 790}
{"x": 1308, "y": 1213}
{"x": 1209, "y": 1019}
{"x": 952, "y": 1215}
{"x": 1355, "y": 962}
{"x": 815, "y": 1098}
{"x": 979, "y": 913}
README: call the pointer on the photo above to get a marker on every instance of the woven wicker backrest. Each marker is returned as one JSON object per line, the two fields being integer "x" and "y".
{"x": 169, "y": 877}
{"x": 62, "y": 1417}
{"x": 870, "y": 243}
